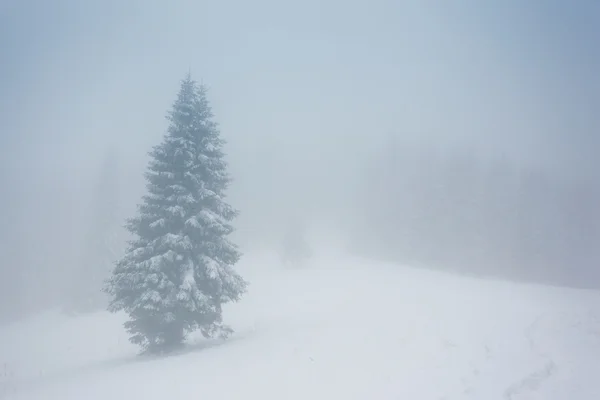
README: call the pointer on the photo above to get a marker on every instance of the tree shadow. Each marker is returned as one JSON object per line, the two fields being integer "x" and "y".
{"x": 193, "y": 346}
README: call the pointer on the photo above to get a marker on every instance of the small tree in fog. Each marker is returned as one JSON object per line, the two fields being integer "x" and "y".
{"x": 295, "y": 248}
{"x": 178, "y": 270}
{"x": 102, "y": 245}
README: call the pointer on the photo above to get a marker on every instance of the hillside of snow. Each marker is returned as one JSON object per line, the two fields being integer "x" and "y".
{"x": 339, "y": 328}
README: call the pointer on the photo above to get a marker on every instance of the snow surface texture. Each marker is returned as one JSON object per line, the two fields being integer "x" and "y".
{"x": 338, "y": 328}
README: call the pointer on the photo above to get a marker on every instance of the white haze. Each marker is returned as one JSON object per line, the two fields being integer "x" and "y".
{"x": 306, "y": 93}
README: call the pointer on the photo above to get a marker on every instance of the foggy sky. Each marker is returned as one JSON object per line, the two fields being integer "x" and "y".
{"x": 303, "y": 91}
{"x": 520, "y": 75}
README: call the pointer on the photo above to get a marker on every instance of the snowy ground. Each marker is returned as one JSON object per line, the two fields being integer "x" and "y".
{"x": 338, "y": 329}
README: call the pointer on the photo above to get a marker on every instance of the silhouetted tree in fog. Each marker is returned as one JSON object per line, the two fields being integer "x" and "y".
{"x": 178, "y": 270}
{"x": 102, "y": 242}
{"x": 295, "y": 249}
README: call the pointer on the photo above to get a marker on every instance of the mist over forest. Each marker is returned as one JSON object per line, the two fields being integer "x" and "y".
{"x": 455, "y": 137}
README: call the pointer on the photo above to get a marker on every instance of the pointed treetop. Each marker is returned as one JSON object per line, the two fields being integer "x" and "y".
{"x": 188, "y": 79}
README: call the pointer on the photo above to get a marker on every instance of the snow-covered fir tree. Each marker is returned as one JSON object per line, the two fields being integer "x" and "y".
{"x": 179, "y": 269}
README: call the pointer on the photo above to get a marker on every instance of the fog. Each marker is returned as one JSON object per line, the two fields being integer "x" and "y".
{"x": 311, "y": 97}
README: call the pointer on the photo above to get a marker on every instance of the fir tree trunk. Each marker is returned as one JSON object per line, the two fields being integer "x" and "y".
{"x": 174, "y": 337}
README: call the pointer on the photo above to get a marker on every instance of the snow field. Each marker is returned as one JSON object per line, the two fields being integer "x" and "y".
{"x": 338, "y": 328}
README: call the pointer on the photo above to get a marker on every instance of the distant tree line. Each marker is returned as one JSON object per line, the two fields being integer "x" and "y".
{"x": 452, "y": 210}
